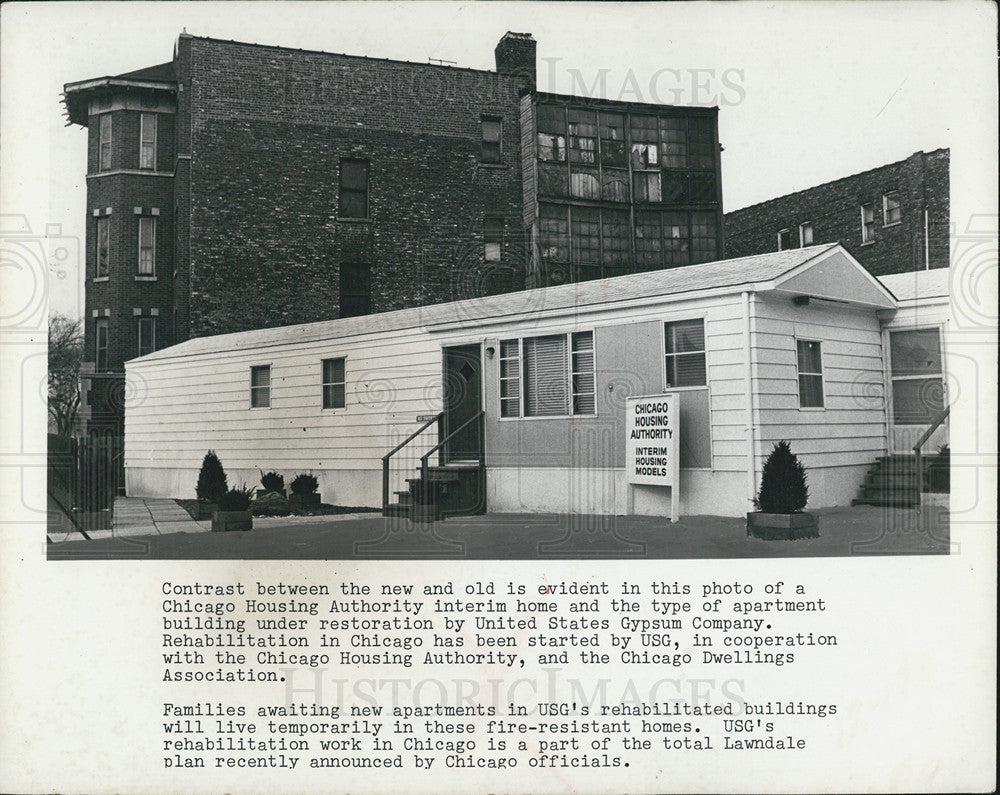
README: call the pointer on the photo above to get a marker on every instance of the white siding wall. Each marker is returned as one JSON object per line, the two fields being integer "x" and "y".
{"x": 839, "y": 442}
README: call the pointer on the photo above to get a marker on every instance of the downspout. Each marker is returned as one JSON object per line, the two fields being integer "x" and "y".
{"x": 927, "y": 243}
{"x": 748, "y": 380}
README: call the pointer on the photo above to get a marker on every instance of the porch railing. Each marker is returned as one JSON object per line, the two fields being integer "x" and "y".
{"x": 918, "y": 447}
{"x": 436, "y": 420}
{"x": 440, "y": 446}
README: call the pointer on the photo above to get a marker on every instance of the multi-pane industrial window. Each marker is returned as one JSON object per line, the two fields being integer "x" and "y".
{"x": 703, "y": 237}
{"x": 260, "y": 386}
{"x": 101, "y": 344}
{"x": 146, "y": 335}
{"x": 147, "y": 246}
{"x": 582, "y": 136}
{"x": 867, "y": 223}
{"x": 684, "y": 344}
{"x": 334, "y": 383}
{"x": 892, "y": 210}
{"x": 806, "y": 234}
{"x": 553, "y": 233}
{"x": 353, "y": 189}
{"x": 102, "y": 259}
{"x": 673, "y": 133}
{"x": 147, "y": 140}
{"x": 551, "y": 133}
{"x": 701, "y": 143}
{"x": 615, "y": 240}
{"x": 104, "y": 148}
{"x": 612, "y": 130}
{"x": 676, "y": 239}
{"x": 355, "y": 289}
{"x": 549, "y": 376}
{"x": 586, "y": 240}
{"x": 645, "y": 142}
{"x": 810, "y": 366}
{"x": 492, "y": 238}
{"x": 492, "y": 134}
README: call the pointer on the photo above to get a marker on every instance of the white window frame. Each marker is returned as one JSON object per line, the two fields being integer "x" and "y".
{"x": 488, "y": 145}
{"x": 785, "y": 231}
{"x": 664, "y": 354}
{"x": 104, "y": 163}
{"x": 802, "y": 234}
{"x": 893, "y": 194}
{"x": 257, "y": 367}
{"x": 143, "y": 139}
{"x": 866, "y": 236}
{"x": 799, "y": 373}
{"x": 324, "y": 383}
{"x": 568, "y": 373}
{"x": 143, "y": 220}
{"x": 150, "y": 323}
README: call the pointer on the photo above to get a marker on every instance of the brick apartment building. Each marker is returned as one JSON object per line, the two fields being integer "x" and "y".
{"x": 242, "y": 186}
{"x": 892, "y": 219}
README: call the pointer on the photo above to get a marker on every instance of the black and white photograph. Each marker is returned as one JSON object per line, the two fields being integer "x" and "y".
{"x": 509, "y": 352}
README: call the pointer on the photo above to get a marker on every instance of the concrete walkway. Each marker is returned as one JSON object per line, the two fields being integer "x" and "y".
{"x": 134, "y": 516}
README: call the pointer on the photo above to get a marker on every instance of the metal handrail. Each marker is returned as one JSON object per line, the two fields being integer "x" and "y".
{"x": 423, "y": 459}
{"x": 396, "y": 449}
{"x": 917, "y": 448}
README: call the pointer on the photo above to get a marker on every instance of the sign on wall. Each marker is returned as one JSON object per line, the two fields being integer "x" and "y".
{"x": 652, "y": 444}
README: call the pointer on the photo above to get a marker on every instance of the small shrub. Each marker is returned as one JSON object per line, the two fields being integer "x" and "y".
{"x": 304, "y": 484}
{"x": 212, "y": 481}
{"x": 236, "y": 499}
{"x": 272, "y": 481}
{"x": 783, "y": 487}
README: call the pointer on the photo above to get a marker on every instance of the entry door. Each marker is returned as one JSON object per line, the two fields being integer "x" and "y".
{"x": 918, "y": 388}
{"x": 462, "y": 401}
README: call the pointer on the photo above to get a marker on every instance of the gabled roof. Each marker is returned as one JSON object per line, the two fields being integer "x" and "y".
{"x": 915, "y": 285}
{"x": 757, "y": 273}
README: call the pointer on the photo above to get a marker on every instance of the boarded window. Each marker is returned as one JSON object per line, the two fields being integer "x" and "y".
{"x": 146, "y": 335}
{"x": 260, "y": 386}
{"x": 103, "y": 247}
{"x": 492, "y": 135}
{"x": 584, "y": 185}
{"x": 492, "y": 238}
{"x": 147, "y": 141}
{"x": 353, "y": 189}
{"x": 334, "y": 386}
{"x": 810, "y": 364}
{"x": 147, "y": 247}
{"x": 614, "y": 185}
{"x": 684, "y": 343}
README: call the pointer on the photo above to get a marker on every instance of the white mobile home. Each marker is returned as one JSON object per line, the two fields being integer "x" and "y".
{"x": 529, "y": 391}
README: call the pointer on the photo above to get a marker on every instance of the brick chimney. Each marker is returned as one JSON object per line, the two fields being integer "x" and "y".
{"x": 515, "y": 55}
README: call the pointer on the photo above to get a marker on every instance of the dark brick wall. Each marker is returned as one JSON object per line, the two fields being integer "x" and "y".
{"x": 835, "y": 211}
{"x": 268, "y": 130}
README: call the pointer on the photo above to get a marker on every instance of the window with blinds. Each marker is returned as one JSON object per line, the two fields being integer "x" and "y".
{"x": 549, "y": 376}
{"x": 684, "y": 343}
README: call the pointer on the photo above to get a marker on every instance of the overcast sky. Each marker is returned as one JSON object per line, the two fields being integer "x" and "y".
{"x": 808, "y": 92}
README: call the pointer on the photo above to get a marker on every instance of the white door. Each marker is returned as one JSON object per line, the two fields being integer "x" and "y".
{"x": 918, "y": 388}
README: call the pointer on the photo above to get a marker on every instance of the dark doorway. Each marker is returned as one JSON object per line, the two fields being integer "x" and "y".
{"x": 462, "y": 401}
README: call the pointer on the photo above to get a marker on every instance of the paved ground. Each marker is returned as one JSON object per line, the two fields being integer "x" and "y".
{"x": 862, "y": 530}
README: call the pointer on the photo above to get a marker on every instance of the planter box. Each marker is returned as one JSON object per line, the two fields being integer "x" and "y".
{"x": 206, "y": 510}
{"x": 782, "y": 526}
{"x": 297, "y": 502}
{"x": 224, "y": 521}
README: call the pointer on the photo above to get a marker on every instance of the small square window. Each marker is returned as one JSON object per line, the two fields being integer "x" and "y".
{"x": 892, "y": 209}
{"x": 810, "y": 367}
{"x": 784, "y": 239}
{"x": 492, "y": 136}
{"x": 260, "y": 386}
{"x": 806, "y": 234}
{"x": 334, "y": 383}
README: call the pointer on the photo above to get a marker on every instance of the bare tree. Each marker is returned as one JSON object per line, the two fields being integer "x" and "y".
{"x": 65, "y": 356}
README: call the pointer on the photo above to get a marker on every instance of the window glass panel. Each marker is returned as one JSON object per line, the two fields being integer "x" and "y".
{"x": 583, "y": 373}
{"x": 551, "y": 119}
{"x": 646, "y": 186}
{"x": 676, "y": 239}
{"x": 915, "y": 352}
{"x": 810, "y": 373}
{"x": 582, "y": 127}
{"x": 260, "y": 386}
{"x": 586, "y": 226}
{"x": 675, "y": 187}
{"x": 333, "y": 383}
{"x": 648, "y": 254}
{"x": 805, "y": 234}
{"x": 105, "y": 143}
{"x": 353, "y": 189}
{"x": 614, "y": 185}
{"x": 101, "y": 347}
{"x": 103, "y": 246}
{"x": 615, "y": 239}
{"x": 784, "y": 239}
{"x": 147, "y": 246}
{"x": 553, "y": 233}
{"x": 491, "y": 140}
{"x": 545, "y": 376}
{"x": 684, "y": 342}
{"x": 701, "y": 187}
{"x": 551, "y": 147}
{"x": 916, "y": 401}
{"x": 147, "y": 140}
{"x": 700, "y": 143}
{"x": 510, "y": 379}
{"x": 612, "y": 132}
{"x": 703, "y": 237}
{"x": 147, "y": 335}
{"x": 867, "y": 222}
{"x": 891, "y": 208}
{"x": 673, "y": 135}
